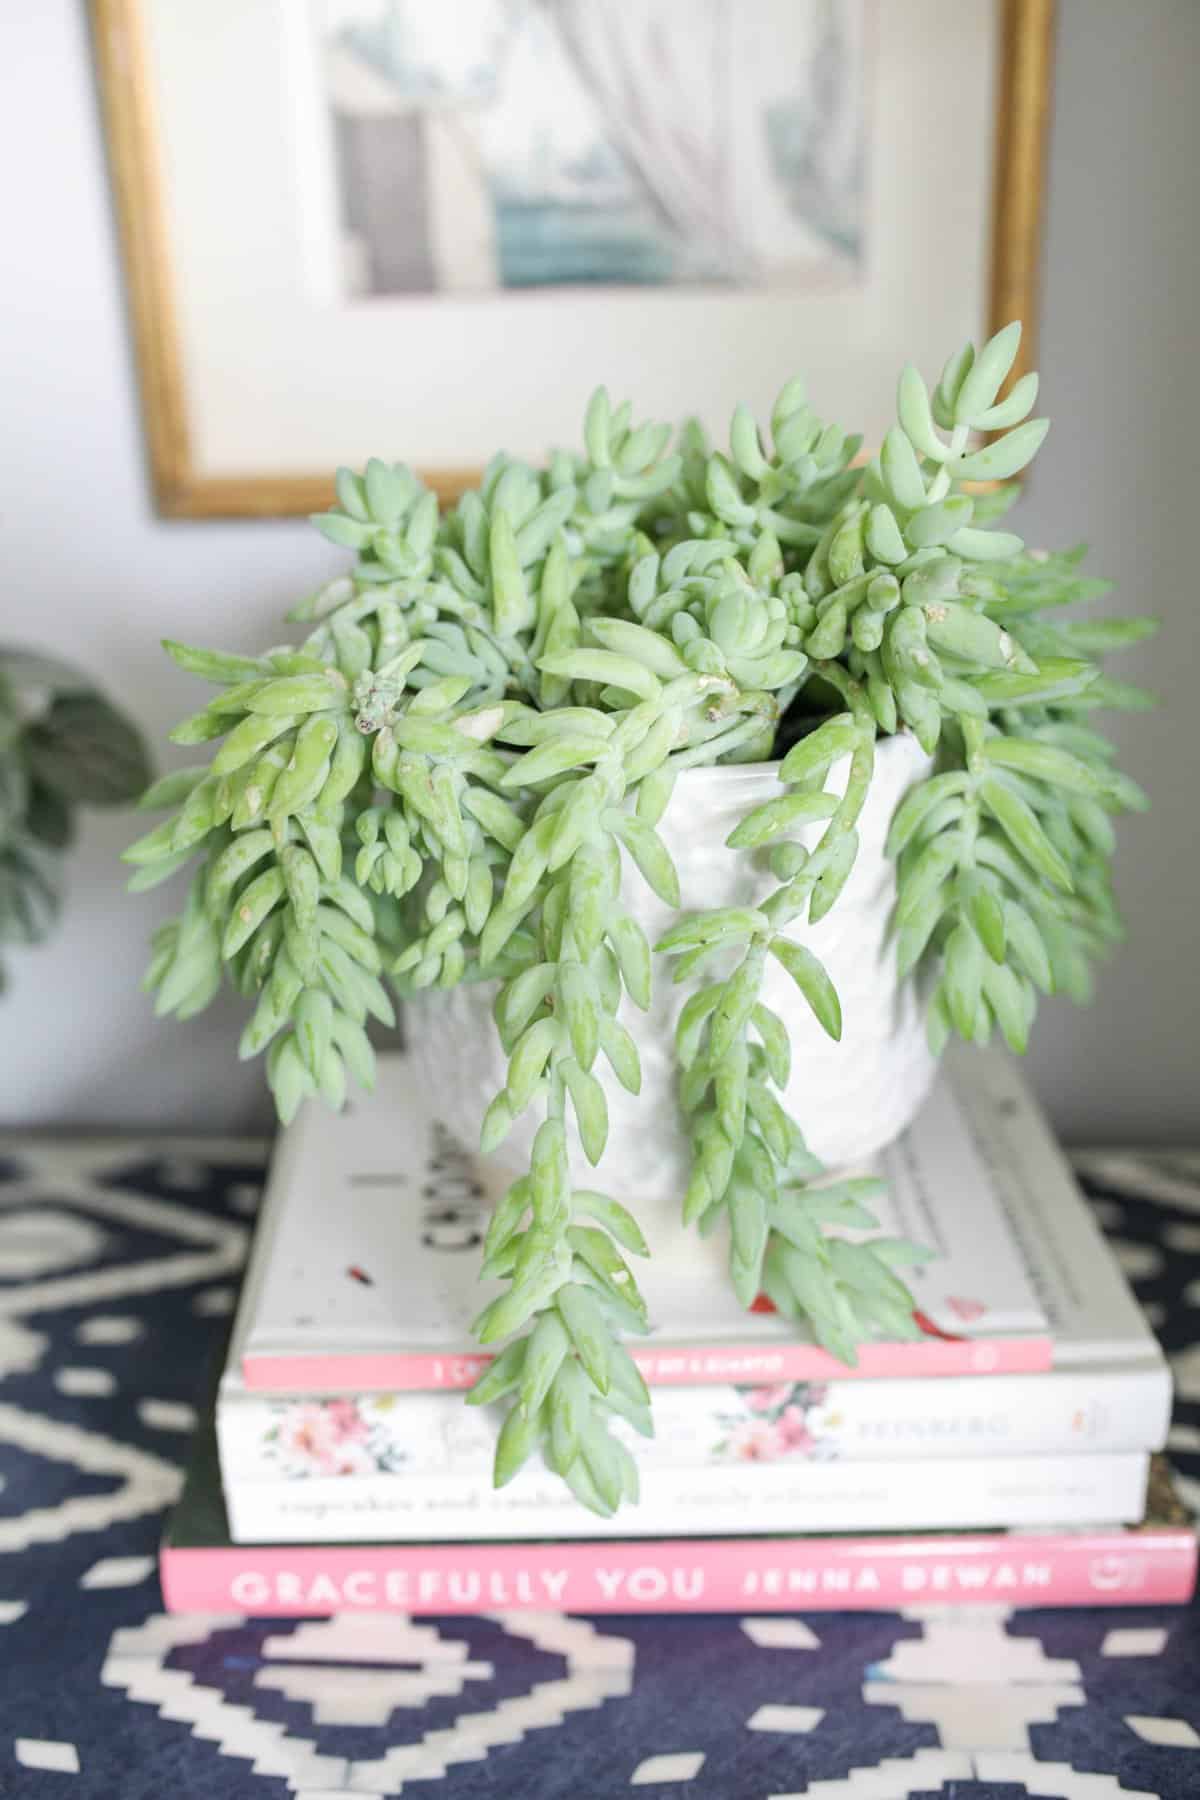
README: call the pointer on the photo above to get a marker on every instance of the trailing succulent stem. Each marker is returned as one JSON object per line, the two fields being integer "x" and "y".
{"x": 455, "y": 772}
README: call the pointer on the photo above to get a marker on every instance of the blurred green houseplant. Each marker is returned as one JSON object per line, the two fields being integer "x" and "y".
{"x": 62, "y": 746}
{"x": 481, "y": 727}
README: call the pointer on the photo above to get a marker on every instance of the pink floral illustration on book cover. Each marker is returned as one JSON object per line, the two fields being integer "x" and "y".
{"x": 348, "y": 1435}
{"x": 783, "y": 1419}
{"x": 342, "y": 1436}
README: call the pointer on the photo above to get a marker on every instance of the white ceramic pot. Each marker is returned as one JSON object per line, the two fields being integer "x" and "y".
{"x": 850, "y": 1098}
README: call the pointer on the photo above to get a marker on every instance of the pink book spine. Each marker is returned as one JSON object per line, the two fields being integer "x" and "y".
{"x": 665, "y": 1368}
{"x": 1094, "y": 1568}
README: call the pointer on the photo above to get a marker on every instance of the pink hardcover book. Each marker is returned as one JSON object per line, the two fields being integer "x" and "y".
{"x": 1153, "y": 1564}
{"x": 364, "y": 1274}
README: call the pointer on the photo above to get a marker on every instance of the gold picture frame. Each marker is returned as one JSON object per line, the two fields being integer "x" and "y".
{"x": 182, "y": 491}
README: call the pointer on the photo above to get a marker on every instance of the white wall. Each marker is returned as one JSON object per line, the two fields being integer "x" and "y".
{"x": 1120, "y": 469}
{"x": 90, "y": 572}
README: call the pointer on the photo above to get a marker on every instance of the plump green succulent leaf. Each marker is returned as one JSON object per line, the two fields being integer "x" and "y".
{"x": 811, "y": 977}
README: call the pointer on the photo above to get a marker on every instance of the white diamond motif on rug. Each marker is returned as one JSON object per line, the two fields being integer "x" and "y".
{"x": 44, "y": 1753}
{"x": 312, "y": 1664}
{"x": 675, "y": 1766}
{"x": 44, "y": 1240}
{"x": 147, "y": 1483}
{"x": 781, "y": 1634}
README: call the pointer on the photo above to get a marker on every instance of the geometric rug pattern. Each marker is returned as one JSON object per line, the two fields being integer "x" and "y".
{"x": 119, "y": 1264}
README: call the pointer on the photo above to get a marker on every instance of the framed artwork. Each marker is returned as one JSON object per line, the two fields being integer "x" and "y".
{"x": 418, "y": 231}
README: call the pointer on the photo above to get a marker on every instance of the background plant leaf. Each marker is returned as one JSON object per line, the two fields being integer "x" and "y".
{"x": 86, "y": 750}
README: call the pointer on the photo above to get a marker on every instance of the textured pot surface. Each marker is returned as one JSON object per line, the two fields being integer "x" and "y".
{"x": 850, "y": 1098}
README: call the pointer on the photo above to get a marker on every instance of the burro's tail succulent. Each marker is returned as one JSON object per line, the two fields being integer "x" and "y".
{"x": 477, "y": 734}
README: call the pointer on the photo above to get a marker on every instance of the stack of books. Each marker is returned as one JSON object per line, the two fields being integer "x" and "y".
{"x": 1007, "y": 1453}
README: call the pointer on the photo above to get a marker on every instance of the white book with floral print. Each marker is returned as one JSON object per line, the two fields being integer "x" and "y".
{"x": 458, "y": 1503}
{"x": 364, "y": 1273}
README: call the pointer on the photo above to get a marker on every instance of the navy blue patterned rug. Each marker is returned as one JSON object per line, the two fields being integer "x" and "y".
{"x": 118, "y": 1268}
